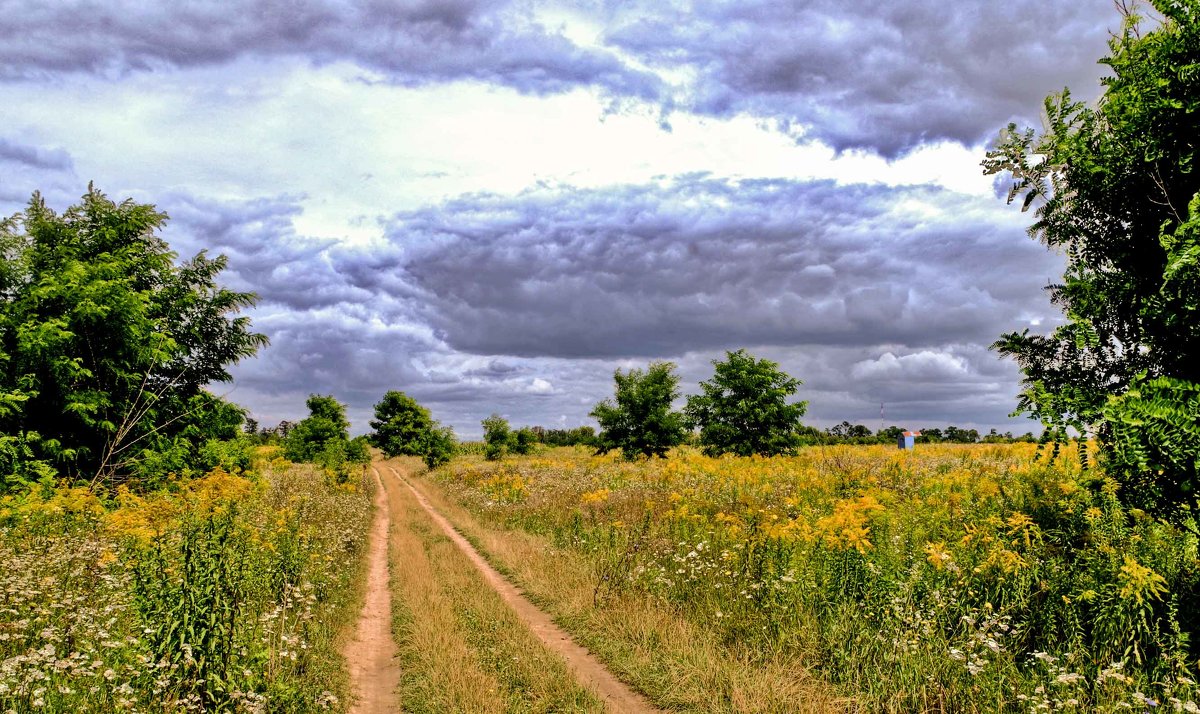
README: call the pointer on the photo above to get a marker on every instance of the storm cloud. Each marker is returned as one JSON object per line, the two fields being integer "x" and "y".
{"x": 879, "y": 76}
{"x": 486, "y": 302}
{"x": 700, "y": 264}
{"x": 493, "y": 204}
{"x": 411, "y": 42}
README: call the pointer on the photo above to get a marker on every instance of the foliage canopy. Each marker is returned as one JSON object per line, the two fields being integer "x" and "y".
{"x": 323, "y": 438}
{"x": 1117, "y": 190}
{"x": 744, "y": 408}
{"x": 639, "y": 420}
{"x": 107, "y": 343}
{"x": 497, "y": 437}
{"x": 402, "y": 427}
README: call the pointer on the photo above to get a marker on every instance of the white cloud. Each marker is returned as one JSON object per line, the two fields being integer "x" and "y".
{"x": 922, "y": 366}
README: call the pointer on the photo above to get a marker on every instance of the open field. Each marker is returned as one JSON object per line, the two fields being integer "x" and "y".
{"x": 955, "y": 578}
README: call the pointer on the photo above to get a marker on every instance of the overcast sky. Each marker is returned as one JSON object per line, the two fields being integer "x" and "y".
{"x": 492, "y": 205}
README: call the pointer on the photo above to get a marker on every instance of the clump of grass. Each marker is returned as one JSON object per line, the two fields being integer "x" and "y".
{"x": 223, "y": 593}
{"x": 956, "y": 578}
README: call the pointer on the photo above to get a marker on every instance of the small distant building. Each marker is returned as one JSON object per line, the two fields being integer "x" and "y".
{"x": 907, "y": 439}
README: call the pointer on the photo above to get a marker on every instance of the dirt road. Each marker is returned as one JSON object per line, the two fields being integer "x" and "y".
{"x": 371, "y": 655}
{"x": 588, "y": 670}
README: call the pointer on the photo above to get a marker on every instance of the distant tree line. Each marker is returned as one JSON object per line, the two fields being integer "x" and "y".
{"x": 847, "y": 433}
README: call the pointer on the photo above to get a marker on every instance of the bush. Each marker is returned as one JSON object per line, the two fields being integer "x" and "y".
{"x": 440, "y": 447}
{"x": 524, "y": 440}
{"x": 404, "y": 428}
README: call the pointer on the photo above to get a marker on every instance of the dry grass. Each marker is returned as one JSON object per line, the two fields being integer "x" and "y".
{"x": 461, "y": 648}
{"x": 676, "y": 664}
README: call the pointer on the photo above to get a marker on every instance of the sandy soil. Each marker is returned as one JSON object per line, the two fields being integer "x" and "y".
{"x": 371, "y": 655}
{"x": 586, "y": 668}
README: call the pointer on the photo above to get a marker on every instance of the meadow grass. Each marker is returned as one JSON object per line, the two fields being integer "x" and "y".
{"x": 223, "y": 593}
{"x": 953, "y": 578}
{"x": 679, "y": 664}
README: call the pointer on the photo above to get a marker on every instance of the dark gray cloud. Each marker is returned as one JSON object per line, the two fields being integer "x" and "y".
{"x": 34, "y": 156}
{"x": 878, "y": 75}
{"x": 412, "y": 42}
{"x": 525, "y": 305}
{"x": 701, "y": 264}
{"x": 25, "y": 168}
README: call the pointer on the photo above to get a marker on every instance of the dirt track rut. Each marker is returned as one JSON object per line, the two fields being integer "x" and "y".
{"x": 371, "y": 655}
{"x": 588, "y": 670}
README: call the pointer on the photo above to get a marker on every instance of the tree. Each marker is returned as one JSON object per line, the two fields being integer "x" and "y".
{"x": 402, "y": 427}
{"x": 640, "y": 421}
{"x": 496, "y": 437}
{"x": 849, "y": 431}
{"x": 890, "y": 434}
{"x": 106, "y": 342}
{"x": 325, "y": 424}
{"x": 440, "y": 445}
{"x": 958, "y": 435}
{"x": 1117, "y": 190}
{"x": 323, "y": 438}
{"x": 744, "y": 408}
{"x": 581, "y": 435}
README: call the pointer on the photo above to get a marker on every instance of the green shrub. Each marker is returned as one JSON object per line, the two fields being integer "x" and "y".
{"x": 524, "y": 440}
{"x": 496, "y": 437}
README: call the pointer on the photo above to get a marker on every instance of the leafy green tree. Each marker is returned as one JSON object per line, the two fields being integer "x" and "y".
{"x": 402, "y": 427}
{"x": 846, "y": 430}
{"x": 639, "y": 420}
{"x": 1117, "y": 190}
{"x": 497, "y": 437}
{"x": 958, "y": 435}
{"x": 358, "y": 450}
{"x": 440, "y": 446}
{"x": 107, "y": 342}
{"x": 744, "y": 408}
{"x": 581, "y": 435}
{"x": 323, "y": 438}
{"x": 326, "y": 424}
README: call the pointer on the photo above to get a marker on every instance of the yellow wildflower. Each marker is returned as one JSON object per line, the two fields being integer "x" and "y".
{"x": 1139, "y": 583}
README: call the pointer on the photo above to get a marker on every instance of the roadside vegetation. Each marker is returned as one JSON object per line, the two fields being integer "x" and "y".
{"x": 154, "y": 557}
{"x": 226, "y": 592}
{"x": 956, "y": 578}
